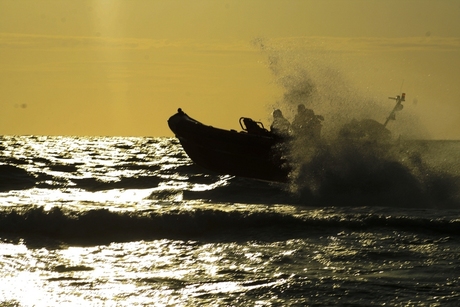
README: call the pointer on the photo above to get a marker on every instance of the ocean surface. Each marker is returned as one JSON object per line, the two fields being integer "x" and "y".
{"x": 116, "y": 221}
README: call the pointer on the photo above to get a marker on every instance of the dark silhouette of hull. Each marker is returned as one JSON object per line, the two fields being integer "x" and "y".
{"x": 242, "y": 153}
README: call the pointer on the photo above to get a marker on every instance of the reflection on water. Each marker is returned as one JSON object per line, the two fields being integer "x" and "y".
{"x": 115, "y": 221}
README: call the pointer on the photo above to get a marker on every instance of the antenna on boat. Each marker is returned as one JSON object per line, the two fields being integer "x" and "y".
{"x": 398, "y": 107}
{"x": 402, "y": 83}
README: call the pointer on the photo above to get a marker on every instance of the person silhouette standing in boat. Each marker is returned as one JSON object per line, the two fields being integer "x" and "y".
{"x": 306, "y": 124}
{"x": 280, "y": 125}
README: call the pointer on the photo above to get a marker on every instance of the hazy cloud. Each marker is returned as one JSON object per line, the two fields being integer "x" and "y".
{"x": 16, "y": 41}
{"x": 360, "y": 44}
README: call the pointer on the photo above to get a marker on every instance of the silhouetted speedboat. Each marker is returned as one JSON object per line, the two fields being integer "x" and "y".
{"x": 250, "y": 153}
{"x": 255, "y": 152}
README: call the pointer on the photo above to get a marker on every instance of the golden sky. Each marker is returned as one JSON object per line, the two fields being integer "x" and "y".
{"x": 112, "y": 67}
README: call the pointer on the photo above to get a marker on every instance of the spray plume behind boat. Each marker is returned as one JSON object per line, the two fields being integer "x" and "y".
{"x": 360, "y": 157}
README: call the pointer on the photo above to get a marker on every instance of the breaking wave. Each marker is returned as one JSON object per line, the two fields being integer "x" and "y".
{"x": 102, "y": 226}
{"x": 372, "y": 174}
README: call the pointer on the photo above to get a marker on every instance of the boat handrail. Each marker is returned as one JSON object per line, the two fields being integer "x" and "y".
{"x": 246, "y": 121}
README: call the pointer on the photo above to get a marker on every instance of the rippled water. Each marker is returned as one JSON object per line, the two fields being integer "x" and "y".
{"x": 132, "y": 222}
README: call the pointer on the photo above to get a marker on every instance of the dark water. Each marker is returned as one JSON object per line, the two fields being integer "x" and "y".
{"x": 132, "y": 222}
